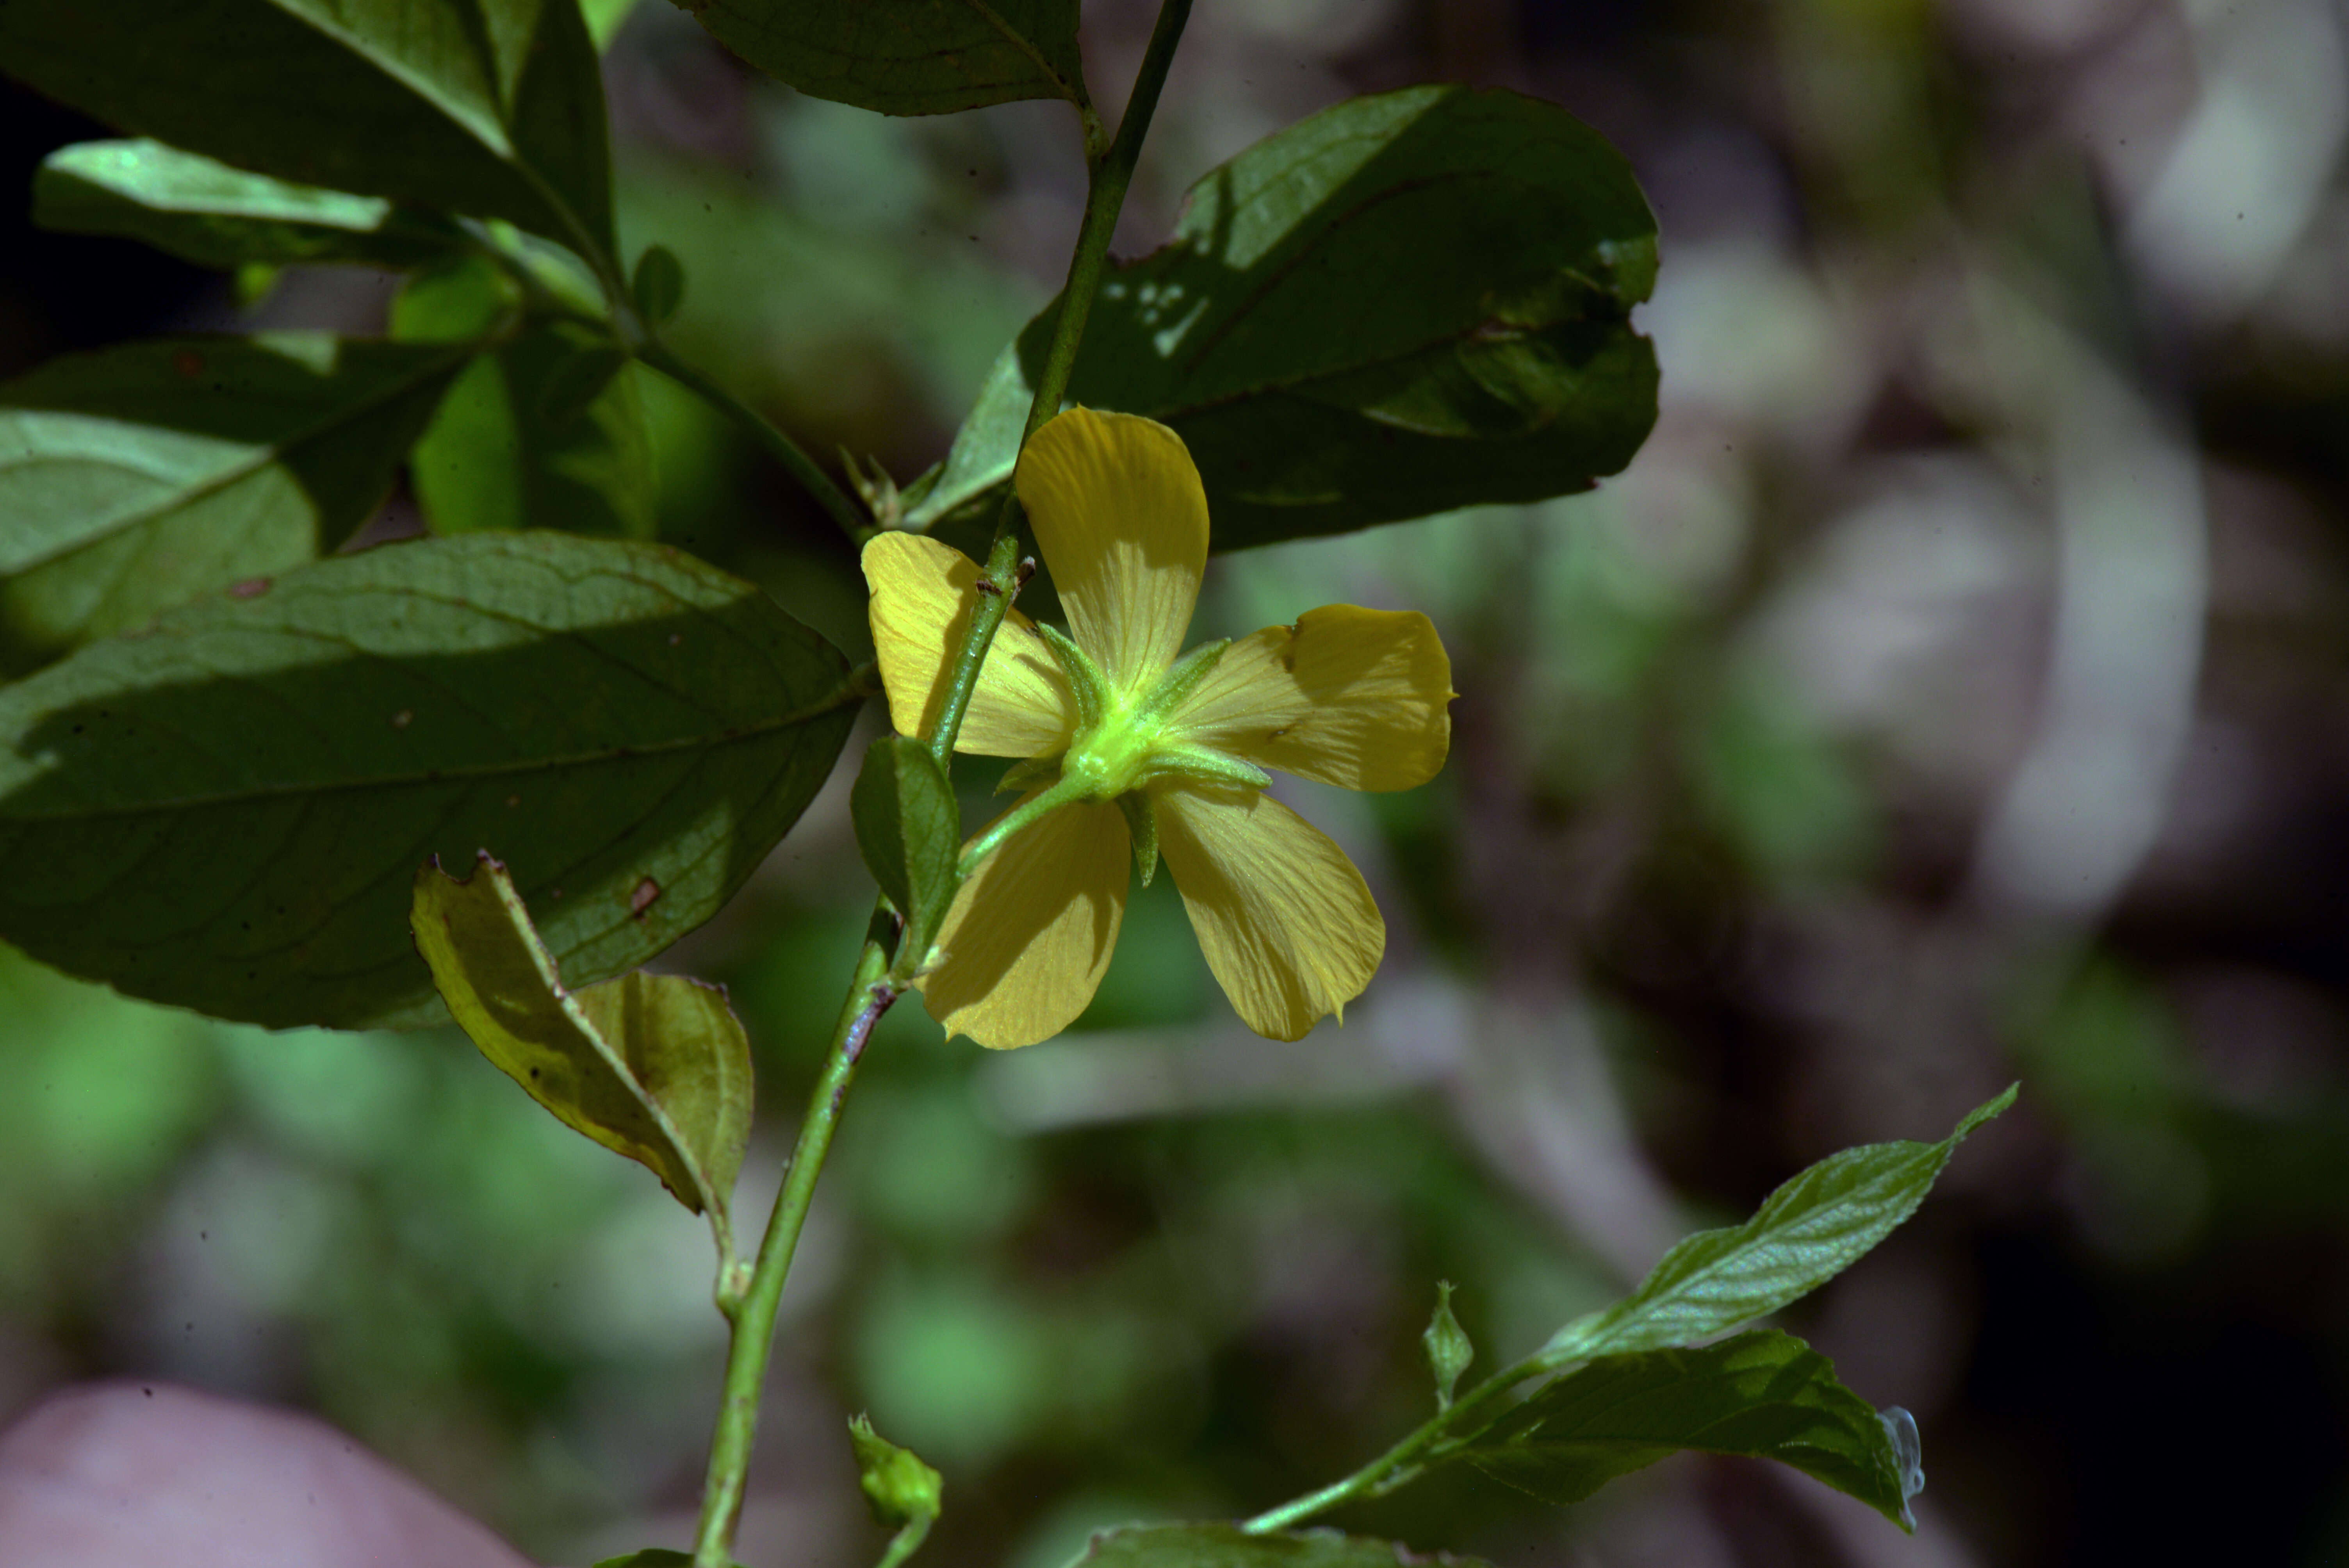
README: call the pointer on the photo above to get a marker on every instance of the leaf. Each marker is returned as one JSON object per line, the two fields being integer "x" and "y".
{"x": 1406, "y": 304}
{"x": 654, "y": 1067}
{"x": 138, "y": 477}
{"x": 225, "y": 813}
{"x": 547, "y": 432}
{"x": 1229, "y": 1546}
{"x": 1761, "y": 1395}
{"x": 652, "y": 1557}
{"x": 909, "y": 829}
{"x": 1818, "y": 1224}
{"x": 658, "y": 287}
{"x": 1449, "y": 1351}
{"x": 490, "y": 108}
{"x": 906, "y": 56}
{"x": 217, "y": 216}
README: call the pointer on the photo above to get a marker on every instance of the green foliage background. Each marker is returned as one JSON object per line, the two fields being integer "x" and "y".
{"x": 1780, "y": 818}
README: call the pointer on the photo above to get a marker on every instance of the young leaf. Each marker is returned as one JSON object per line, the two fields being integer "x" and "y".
{"x": 1408, "y": 302}
{"x": 1229, "y": 1546}
{"x": 139, "y": 477}
{"x": 217, "y": 216}
{"x": 1760, "y": 1395}
{"x": 658, "y": 285}
{"x": 654, "y": 1067}
{"x": 225, "y": 813}
{"x": 491, "y": 108}
{"x": 547, "y": 432}
{"x": 909, "y": 829}
{"x": 1808, "y": 1232}
{"x": 605, "y": 18}
{"x": 907, "y": 56}
{"x": 1448, "y": 1349}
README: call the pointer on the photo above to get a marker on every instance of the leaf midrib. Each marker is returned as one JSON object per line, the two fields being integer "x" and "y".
{"x": 1069, "y": 90}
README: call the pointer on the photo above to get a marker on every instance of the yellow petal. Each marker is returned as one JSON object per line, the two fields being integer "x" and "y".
{"x": 923, "y": 594}
{"x": 1122, "y": 520}
{"x": 1347, "y": 695}
{"x": 1030, "y": 932}
{"x": 1284, "y": 918}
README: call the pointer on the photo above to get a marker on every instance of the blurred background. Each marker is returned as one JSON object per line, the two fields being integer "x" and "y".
{"x": 1953, "y": 691}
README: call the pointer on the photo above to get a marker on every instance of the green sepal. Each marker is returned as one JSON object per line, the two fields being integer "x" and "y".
{"x": 1449, "y": 1351}
{"x": 1182, "y": 677}
{"x": 1207, "y": 765}
{"x": 1035, "y": 773}
{"x": 1084, "y": 677}
{"x": 1142, "y": 823}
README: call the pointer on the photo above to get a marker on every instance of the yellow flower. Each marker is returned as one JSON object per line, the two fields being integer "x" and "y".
{"x": 1154, "y": 754}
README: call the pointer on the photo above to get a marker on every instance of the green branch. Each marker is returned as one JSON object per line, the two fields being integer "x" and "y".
{"x": 878, "y": 983}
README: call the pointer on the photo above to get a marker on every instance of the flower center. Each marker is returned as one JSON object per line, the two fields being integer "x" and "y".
{"x": 1124, "y": 740}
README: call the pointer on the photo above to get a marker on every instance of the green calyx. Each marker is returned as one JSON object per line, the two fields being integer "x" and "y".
{"x": 1126, "y": 739}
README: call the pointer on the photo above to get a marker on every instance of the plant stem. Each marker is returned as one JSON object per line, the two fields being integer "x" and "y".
{"x": 834, "y": 501}
{"x": 999, "y": 579}
{"x": 1104, "y": 199}
{"x": 871, "y": 990}
{"x": 753, "y": 1315}
{"x": 1372, "y": 1479}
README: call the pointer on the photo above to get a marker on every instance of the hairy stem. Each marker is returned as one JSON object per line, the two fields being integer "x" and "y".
{"x": 812, "y": 479}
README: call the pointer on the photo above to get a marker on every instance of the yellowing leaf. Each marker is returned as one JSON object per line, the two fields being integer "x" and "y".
{"x": 654, "y": 1067}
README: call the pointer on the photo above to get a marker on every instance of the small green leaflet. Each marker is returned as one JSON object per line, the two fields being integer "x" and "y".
{"x": 1758, "y": 1394}
{"x": 654, "y": 1067}
{"x": 1810, "y": 1230}
{"x": 217, "y": 216}
{"x": 909, "y": 829}
{"x": 136, "y": 477}
{"x": 1406, "y": 304}
{"x": 225, "y": 813}
{"x": 1229, "y": 1546}
{"x": 906, "y": 56}
{"x": 490, "y": 108}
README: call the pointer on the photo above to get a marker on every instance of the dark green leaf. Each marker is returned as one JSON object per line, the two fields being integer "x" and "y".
{"x": 1406, "y": 304}
{"x": 906, "y": 56}
{"x": 226, "y": 812}
{"x": 652, "y": 1557}
{"x": 1448, "y": 1349}
{"x": 1810, "y": 1230}
{"x": 1229, "y": 1546}
{"x": 654, "y": 1067}
{"x": 491, "y": 108}
{"x": 137, "y": 478}
{"x": 1761, "y": 1395}
{"x": 900, "y": 1488}
{"x": 217, "y": 216}
{"x": 909, "y": 829}
{"x": 659, "y": 285}
{"x": 547, "y": 432}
